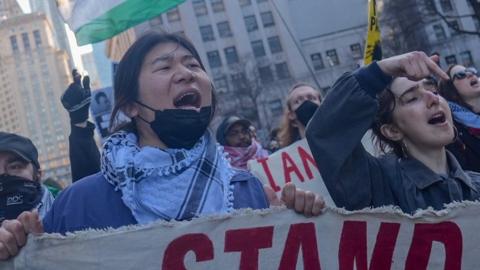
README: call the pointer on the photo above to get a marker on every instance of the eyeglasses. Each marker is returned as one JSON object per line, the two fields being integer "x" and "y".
{"x": 464, "y": 73}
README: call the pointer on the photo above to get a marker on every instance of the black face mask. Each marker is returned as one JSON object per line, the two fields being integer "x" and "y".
{"x": 17, "y": 194}
{"x": 180, "y": 128}
{"x": 305, "y": 111}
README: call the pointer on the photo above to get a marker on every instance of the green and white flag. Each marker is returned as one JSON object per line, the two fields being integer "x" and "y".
{"x": 94, "y": 20}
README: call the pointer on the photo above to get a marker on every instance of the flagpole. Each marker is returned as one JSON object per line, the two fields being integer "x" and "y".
{"x": 297, "y": 45}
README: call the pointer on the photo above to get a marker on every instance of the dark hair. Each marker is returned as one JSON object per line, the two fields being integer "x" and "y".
{"x": 448, "y": 90}
{"x": 128, "y": 71}
{"x": 287, "y": 133}
{"x": 386, "y": 106}
{"x": 99, "y": 95}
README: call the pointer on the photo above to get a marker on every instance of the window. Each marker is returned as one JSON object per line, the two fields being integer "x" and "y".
{"x": 446, "y": 5}
{"x": 274, "y": 44}
{"x": 200, "y": 7}
{"x": 451, "y": 60}
{"x": 231, "y": 55}
{"x": 282, "y": 70}
{"x": 37, "y": 37}
{"x": 156, "y": 21}
{"x": 275, "y": 106}
{"x": 356, "y": 50}
{"x": 454, "y": 27}
{"x": 439, "y": 32}
{"x": 332, "y": 57}
{"x": 224, "y": 29}
{"x": 26, "y": 41}
{"x": 266, "y": 74}
{"x": 173, "y": 15}
{"x": 13, "y": 42}
{"x": 217, "y": 6}
{"x": 258, "y": 49}
{"x": 251, "y": 23}
{"x": 466, "y": 58}
{"x": 221, "y": 84}
{"x": 267, "y": 19}
{"x": 245, "y": 2}
{"x": 207, "y": 33}
{"x": 239, "y": 80}
{"x": 214, "y": 59}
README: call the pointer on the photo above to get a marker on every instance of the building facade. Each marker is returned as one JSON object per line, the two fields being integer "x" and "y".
{"x": 33, "y": 75}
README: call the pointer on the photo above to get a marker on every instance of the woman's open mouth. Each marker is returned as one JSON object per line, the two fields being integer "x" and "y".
{"x": 438, "y": 119}
{"x": 188, "y": 99}
{"x": 474, "y": 83}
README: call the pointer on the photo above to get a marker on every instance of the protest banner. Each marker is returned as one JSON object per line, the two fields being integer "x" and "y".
{"x": 381, "y": 238}
{"x": 295, "y": 164}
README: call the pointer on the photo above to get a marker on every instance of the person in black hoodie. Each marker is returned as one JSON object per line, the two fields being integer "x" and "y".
{"x": 84, "y": 154}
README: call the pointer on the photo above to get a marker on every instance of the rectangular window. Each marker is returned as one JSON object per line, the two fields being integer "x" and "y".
{"x": 13, "y": 42}
{"x": 214, "y": 59}
{"x": 258, "y": 49}
{"x": 266, "y": 74}
{"x": 224, "y": 29}
{"x": 466, "y": 58}
{"x": 218, "y": 6}
{"x": 207, "y": 33}
{"x": 356, "y": 50}
{"x": 446, "y": 5}
{"x": 221, "y": 84}
{"x": 231, "y": 55}
{"x": 451, "y": 60}
{"x": 156, "y": 21}
{"x": 173, "y": 15}
{"x": 267, "y": 19}
{"x": 251, "y": 23}
{"x": 439, "y": 32}
{"x": 239, "y": 80}
{"x": 37, "y": 37}
{"x": 26, "y": 41}
{"x": 275, "y": 106}
{"x": 200, "y": 8}
{"x": 274, "y": 44}
{"x": 245, "y": 2}
{"x": 333, "y": 57}
{"x": 454, "y": 27}
{"x": 282, "y": 70}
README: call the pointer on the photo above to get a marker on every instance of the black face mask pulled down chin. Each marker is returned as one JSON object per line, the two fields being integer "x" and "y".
{"x": 305, "y": 112}
{"x": 180, "y": 128}
{"x": 17, "y": 194}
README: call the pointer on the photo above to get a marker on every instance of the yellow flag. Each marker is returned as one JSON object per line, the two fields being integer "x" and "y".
{"x": 373, "y": 50}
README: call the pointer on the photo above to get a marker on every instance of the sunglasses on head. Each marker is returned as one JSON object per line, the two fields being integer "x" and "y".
{"x": 460, "y": 75}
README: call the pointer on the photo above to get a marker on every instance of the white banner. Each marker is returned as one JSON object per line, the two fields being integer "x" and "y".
{"x": 295, "y": 164}
{"x": 273, "y": 239}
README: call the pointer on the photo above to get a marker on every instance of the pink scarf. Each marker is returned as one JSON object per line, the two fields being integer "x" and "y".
{"x": 239, "y": 156}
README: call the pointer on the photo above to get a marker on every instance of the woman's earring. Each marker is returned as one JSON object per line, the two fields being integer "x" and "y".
{"x": 455, "y": 131}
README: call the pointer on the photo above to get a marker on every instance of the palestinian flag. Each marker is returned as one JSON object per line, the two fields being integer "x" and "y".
{"x": 97, "y": 20}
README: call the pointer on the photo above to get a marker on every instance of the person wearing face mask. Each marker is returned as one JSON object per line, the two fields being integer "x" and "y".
{"x": 412, "y": 124}
{"x": 302, "y": 101}
{"x": 20, "y": 174}
{"x": 162, "y": 165}
{"x": 235, "y": 134}
{"x": 462, "y": 91}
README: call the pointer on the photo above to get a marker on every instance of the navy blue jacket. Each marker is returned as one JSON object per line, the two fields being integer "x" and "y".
{"x": 93, "y": 203}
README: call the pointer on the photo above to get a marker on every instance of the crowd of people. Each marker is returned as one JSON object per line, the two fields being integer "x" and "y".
{"x": 166, "y": 164}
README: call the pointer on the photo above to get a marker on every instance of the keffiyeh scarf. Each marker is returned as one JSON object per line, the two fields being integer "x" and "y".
{"x": 239, "y": 156}
{"x": 168, "y": 184}
{"x": 466, "y": 117}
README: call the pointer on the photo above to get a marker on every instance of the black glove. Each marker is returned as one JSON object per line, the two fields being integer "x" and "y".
{"x": 76, "y": 100}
